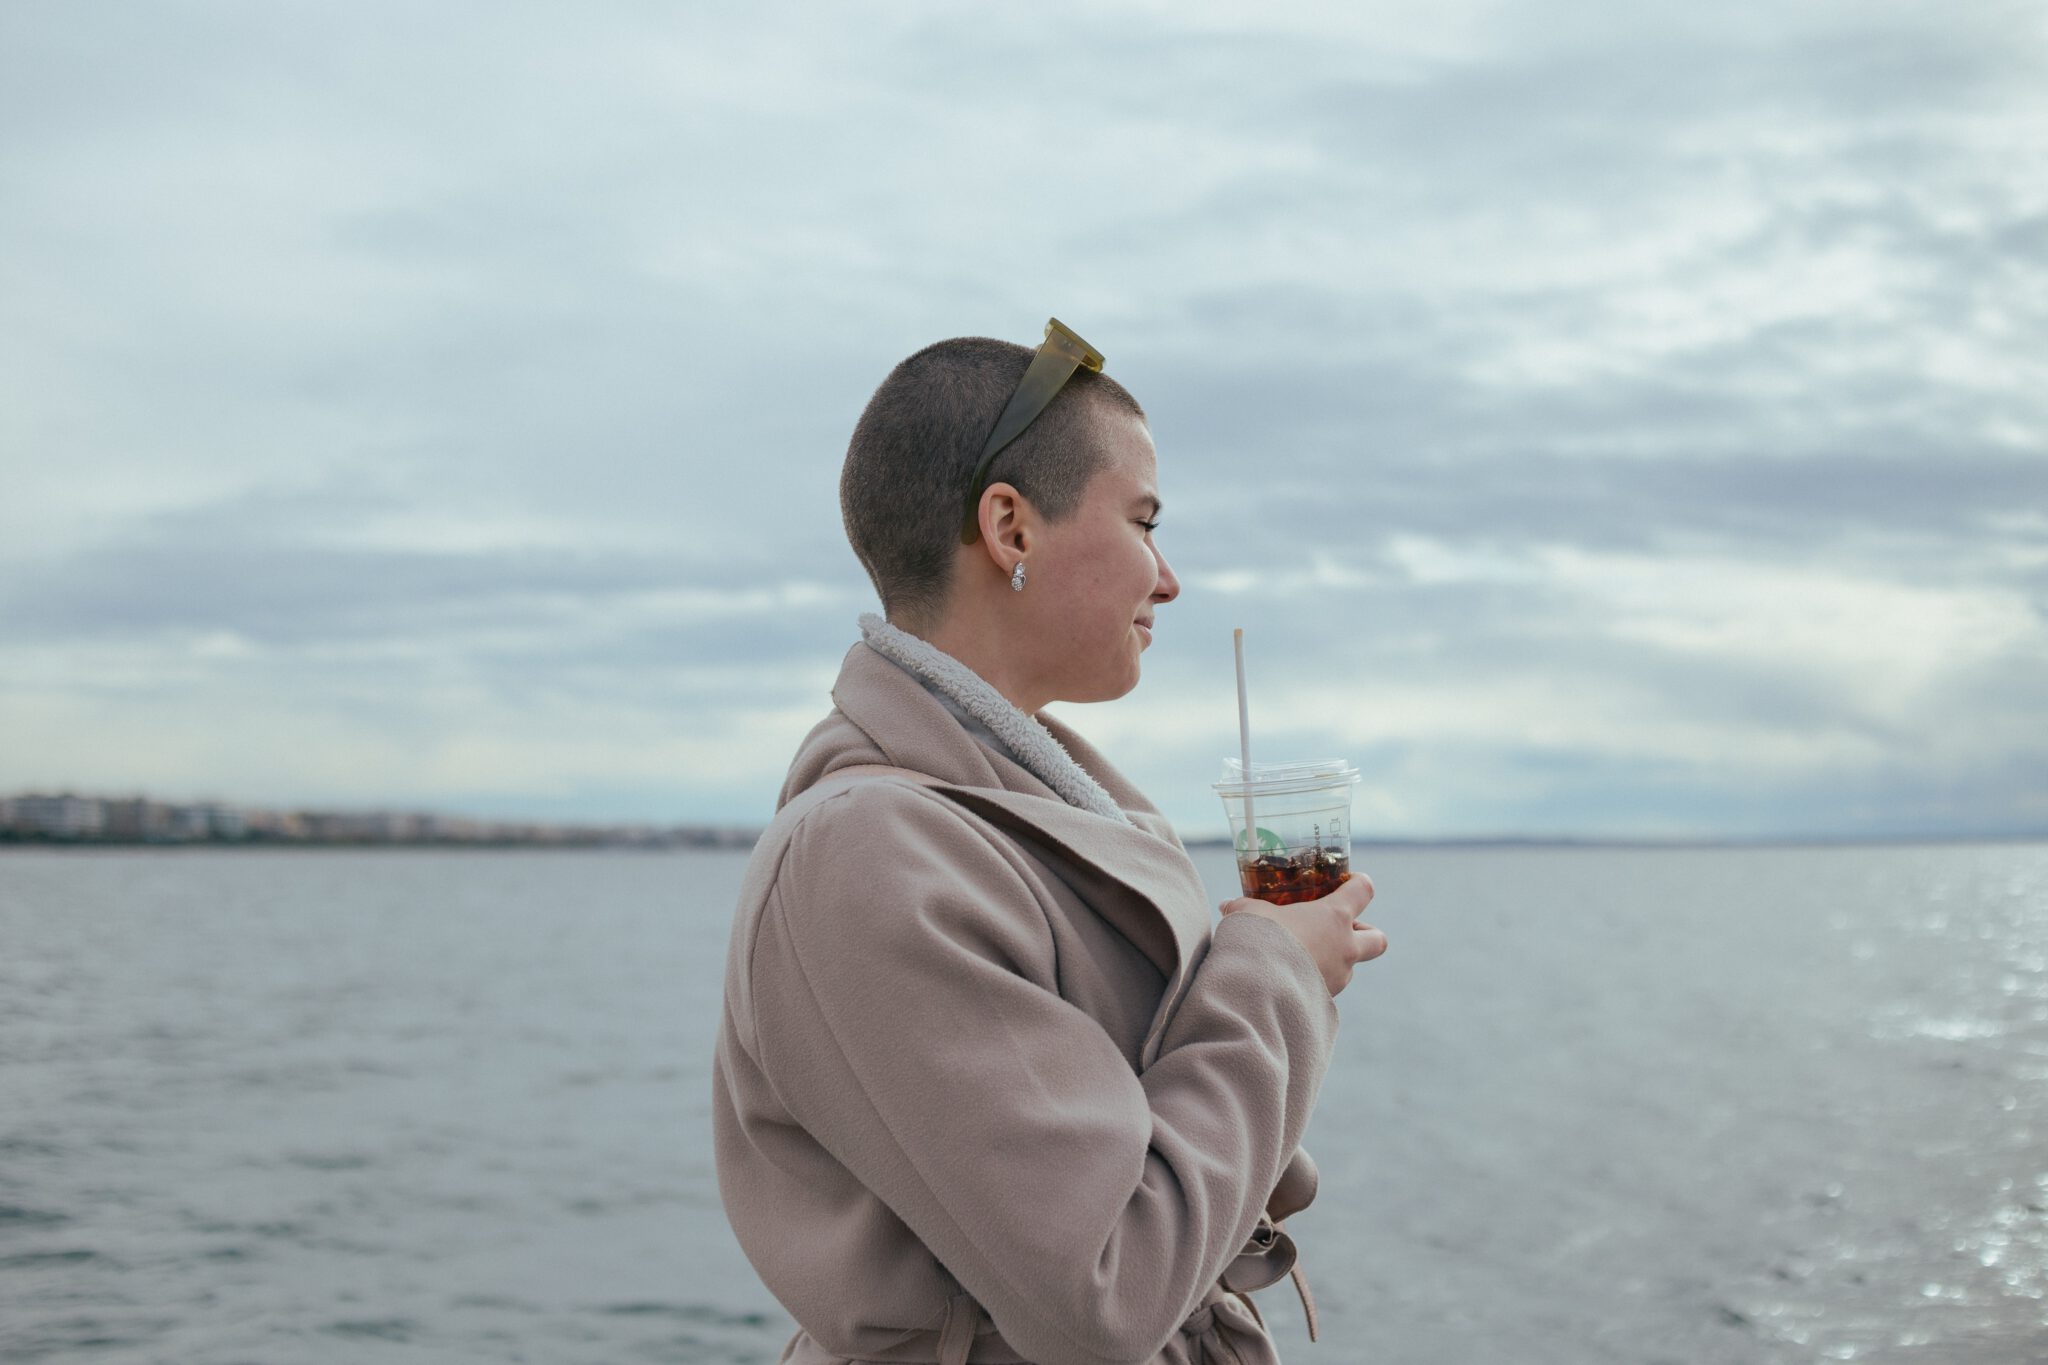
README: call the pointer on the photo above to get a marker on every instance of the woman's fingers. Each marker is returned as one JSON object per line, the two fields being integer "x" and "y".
{"x": 1349, "y": 902}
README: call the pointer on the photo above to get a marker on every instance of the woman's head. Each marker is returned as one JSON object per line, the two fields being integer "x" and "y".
{"x": 914, "y": 449}
{"x": 1070, "y": 499}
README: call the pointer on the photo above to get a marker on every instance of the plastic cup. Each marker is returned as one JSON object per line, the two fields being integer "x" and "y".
{"x": 1300, "y": 846}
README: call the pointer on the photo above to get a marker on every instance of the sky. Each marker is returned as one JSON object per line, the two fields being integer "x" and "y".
{"x": 1606, "y": 420}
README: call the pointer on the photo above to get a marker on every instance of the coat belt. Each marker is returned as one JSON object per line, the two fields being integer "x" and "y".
{"x": 959, "y": 1336}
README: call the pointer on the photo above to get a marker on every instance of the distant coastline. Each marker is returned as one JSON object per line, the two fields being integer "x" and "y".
{"x": 69, "y": 820}
{"x": 66, "y": 819}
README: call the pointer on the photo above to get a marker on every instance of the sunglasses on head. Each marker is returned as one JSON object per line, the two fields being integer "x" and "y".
{"x": 1059, "y": 355}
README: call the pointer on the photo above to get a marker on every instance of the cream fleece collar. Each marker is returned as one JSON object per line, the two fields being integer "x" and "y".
{"x": 1027, "y": 741}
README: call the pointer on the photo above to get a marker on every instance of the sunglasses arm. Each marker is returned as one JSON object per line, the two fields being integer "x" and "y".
{"x": 1055, "y": 362}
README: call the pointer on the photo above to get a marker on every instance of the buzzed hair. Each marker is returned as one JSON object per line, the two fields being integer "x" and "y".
{"x": 903, "y": 490}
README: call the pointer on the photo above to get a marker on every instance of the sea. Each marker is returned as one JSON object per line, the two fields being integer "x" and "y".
{"x": 1662, "y": 1106}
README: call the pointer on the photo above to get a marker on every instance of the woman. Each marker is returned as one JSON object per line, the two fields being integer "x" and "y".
{"x": 990, "y": 1087}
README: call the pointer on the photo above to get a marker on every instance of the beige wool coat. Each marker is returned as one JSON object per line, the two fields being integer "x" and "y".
{"x": 992, "y": 1082}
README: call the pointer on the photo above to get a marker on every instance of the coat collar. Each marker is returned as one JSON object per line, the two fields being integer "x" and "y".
{"x": 913, "y": 730}
{"x": 990, "y": 715}
{"x": 1136, "y": 876}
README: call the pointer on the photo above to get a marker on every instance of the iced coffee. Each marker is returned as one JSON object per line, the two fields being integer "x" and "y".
{"x": 1291, "y": 826}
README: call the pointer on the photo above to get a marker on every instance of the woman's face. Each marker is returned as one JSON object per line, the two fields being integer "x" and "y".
{"x": 1094, "y": 579}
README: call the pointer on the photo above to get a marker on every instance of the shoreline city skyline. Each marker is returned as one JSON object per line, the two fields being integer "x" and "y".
{"x": 67, "y": 818}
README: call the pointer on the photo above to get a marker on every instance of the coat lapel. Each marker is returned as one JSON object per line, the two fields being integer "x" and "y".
{"x": 1142, "y": 885}
{"x": 1139, "y": 882}
{"x": 1136, "y": 876}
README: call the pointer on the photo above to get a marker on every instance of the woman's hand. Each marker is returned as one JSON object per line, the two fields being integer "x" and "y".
{"x": 1328, "y": 928}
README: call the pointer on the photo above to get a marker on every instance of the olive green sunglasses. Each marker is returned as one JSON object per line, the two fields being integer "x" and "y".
{"x": 1059, "y": 355}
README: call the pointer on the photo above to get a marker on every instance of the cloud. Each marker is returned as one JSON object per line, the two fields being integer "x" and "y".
{"x": 1607, "y": 419}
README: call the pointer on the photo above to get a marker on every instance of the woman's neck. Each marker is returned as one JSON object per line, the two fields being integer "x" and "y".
{"x": 977, "y": 641}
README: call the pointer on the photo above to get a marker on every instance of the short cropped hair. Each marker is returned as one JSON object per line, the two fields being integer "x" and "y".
{"x": 903, "y": 489}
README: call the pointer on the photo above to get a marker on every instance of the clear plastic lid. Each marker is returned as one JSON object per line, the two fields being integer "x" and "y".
{"x": 1282, "y": 779}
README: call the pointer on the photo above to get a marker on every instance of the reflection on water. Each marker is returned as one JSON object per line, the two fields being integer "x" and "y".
{"x": 1595, "y": 1105}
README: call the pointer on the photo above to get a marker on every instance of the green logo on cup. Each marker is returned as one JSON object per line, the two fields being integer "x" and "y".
{"x": 1269, "y": 842}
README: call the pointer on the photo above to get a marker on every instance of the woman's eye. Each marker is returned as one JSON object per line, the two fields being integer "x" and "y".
{"x": 1150, "y": 526}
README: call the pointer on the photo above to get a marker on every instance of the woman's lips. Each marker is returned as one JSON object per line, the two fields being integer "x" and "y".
{"x": 1144, "y": 629}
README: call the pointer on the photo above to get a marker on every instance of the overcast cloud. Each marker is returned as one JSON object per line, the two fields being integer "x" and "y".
{"x": 1606, "y": 420}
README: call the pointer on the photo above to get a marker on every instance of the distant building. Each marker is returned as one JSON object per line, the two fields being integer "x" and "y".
{"x": 137, "y": 820}
{"x": 397, "y": 827}
{"x": 224, "y": 822}
{"x": 59, "y": 817}
{"x": 189, "y": 823}
{"x": 66, "y": 816}
{"x": 329, "y": 827}
{"x": 273, "y": 824}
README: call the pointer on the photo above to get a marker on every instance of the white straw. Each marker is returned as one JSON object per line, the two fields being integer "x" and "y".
{"x": 1244, "y": 746}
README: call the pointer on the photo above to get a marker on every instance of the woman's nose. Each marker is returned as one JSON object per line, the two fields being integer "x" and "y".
{"x": 1168, "y": 586}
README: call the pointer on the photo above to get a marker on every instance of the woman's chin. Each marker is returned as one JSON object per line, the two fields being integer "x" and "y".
{"x": 1104, "y": 689}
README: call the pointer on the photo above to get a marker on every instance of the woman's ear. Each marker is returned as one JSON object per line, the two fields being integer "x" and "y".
{"x": 1005, "y": 524}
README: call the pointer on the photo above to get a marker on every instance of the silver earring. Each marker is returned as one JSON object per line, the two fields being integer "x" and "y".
{"x": 1017, "y": 577}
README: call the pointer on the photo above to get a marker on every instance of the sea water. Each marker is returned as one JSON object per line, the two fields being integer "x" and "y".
{"x": 1633, "y": 1105}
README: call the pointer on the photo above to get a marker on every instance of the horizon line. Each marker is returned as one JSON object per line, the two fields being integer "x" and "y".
{"x": 734, "y": 833}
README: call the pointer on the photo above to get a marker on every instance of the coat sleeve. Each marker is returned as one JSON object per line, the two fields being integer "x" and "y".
{"x": 906, "y": 1010}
